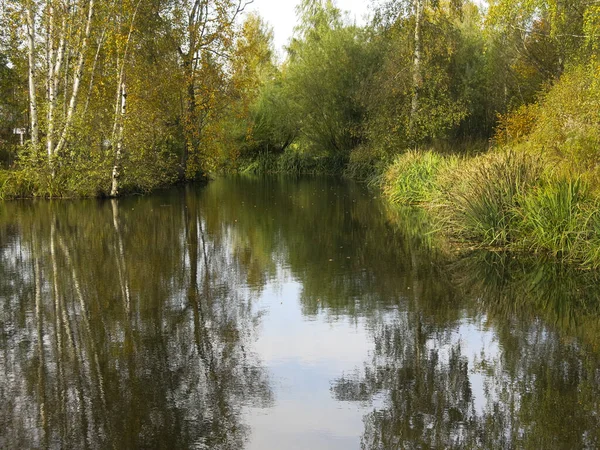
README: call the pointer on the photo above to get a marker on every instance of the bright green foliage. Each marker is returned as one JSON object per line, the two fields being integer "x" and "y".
{"x": 412, "y": 177}
{"x": 480, "y": 198}
{"x": 452, "y": 100}
{"x": 567, "y": 126}
{"x": 327, "y": 66}
{"x": 468, "y": 73}
{"x": 556, "y": 217}
{"x": 273, "y": 120}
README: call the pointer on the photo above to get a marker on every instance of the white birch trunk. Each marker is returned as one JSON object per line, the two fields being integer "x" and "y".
{"x": 50, "y": 84}
{"x": 94, "y": 65}
{"x": 120, "y": 110}
{"x": 417, "y": 77}
{"x": 33, "y": 110}
{"x": 116, "y": 172}
{"x": 76, "y": 81}
{"x": 55, "y": 59}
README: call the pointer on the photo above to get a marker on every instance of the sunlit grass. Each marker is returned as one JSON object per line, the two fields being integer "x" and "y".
{"x": 556, "y": 217}
{"x": 502, "y": 199}
{"x": 413, "y": 177}
{"x": 479, "y": 198}
{"x": 293, "y": 162}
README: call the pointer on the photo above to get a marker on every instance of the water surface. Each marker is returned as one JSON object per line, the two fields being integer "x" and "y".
{"x": 283, "y": 314}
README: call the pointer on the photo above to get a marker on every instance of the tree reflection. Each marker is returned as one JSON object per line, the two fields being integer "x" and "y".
{"x": 537, "y": 386}
{"x": 123, "y": 327}
{"x": 130, "y": 324}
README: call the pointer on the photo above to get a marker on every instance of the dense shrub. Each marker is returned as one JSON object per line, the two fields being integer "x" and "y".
{"x": 366, "y": 164}
{"x": 567, "y": 127}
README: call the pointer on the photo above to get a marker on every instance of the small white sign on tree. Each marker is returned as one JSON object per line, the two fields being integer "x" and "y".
{"x": 21, "y": 132}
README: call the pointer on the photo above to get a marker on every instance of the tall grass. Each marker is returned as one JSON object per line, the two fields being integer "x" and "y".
{"x": 261, "y": 164}
{"x": 294, "y": 162}
{"x": 412, "y": 178}
{"x": 14, "y": 184}
{"x": 503, "y": 199}
{"x": 480, "y": 198}
{"x": 367, "y": 165}
{"x": 556, "y": 217}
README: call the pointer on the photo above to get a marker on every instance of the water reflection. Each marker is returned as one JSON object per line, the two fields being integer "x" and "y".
{"x": 122, "y": 327}
{"x": 512, "y": 364}
{"x": 283, "y": 313}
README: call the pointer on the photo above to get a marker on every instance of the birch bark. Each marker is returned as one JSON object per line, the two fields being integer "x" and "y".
{"x": 417, "y": 76}
{"x": 33, "y": 109}
{"x": 77, "y": 80}
{"x": 116, "y": 172}
{"x": 120, "y": 109}
{"x": 54, "y": 66}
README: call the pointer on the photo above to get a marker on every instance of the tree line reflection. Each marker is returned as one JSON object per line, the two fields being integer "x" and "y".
{"x": 123, "y": 327}
{"x": 131, "y": 323}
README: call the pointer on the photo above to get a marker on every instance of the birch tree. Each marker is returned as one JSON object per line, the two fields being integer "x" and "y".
{"x": 121, "y": 98}
{"x": 54, "y": 29}
{"x": 121, "y": 92}
{"x": 80, "y": 54}
{"x": 417, "y": 77}
{"x": 29, "y": 13}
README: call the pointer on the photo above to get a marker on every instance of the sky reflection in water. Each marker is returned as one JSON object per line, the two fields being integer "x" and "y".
{"x": 282, "y": 313}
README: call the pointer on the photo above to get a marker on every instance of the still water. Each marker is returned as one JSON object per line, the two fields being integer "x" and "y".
{"x": 283, "y": 314}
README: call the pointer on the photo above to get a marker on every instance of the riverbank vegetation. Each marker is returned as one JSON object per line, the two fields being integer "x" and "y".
{"x": 486, "y": 114}
{"x": 120, "y": 96}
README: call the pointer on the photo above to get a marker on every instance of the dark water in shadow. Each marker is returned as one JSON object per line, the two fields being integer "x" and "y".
{"x": 283, "y": 314}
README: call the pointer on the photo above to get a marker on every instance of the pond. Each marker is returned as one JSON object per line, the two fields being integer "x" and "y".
{"x": 283, "y": 313}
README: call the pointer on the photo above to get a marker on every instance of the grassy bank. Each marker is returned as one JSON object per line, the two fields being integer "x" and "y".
{"x": 293, "y": 162}
{"x": 505, "y": 198}
{"x": 535, "y": 189}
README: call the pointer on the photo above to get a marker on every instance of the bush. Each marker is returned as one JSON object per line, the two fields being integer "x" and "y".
{"x": 14, "y": 184}
{"x": 293, "y": 162}
{"x": 516, "y": 126}
{"x": 568, "y": 124}
{"x": 365, "y": 164}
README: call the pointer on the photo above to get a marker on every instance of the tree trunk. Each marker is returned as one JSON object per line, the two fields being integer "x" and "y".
{"x": 76, "y": 80}
{"x": 417, "y": 77}
{"x": 190, "y": 120}
{"x": 54, "y": 64}
{"x": 120, "y": 108}
{"x": 50, "y": 82}
{"x": 116, "y": 172}
{"x": 33, "y": 110}
{"x": 94, "y": 65}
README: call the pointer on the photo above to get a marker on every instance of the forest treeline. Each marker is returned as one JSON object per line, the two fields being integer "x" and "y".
{"x": 488, "y": 113}
{"x": 120, "y": 95}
